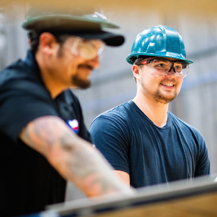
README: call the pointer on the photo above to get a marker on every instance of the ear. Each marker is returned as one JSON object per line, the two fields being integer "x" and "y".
{"x": 47, "y": 43}
{"x": 136, "y": 71}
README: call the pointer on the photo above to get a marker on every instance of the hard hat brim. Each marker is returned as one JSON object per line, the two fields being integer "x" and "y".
{"x": 132, "y": 57}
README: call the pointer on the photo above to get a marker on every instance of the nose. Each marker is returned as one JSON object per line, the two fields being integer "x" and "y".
{"x": 95, "y": 62}
{"x": 171, "y": 72}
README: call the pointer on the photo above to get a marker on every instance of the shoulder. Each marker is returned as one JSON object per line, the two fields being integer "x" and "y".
{"x": 111, "y": 128}
{"x": 115, "y": 118}
{"x": 117, "y": 114}
{"x": 15, "y": 70}
{"x": 19, "y": 78}
{"x": 188, "y": 129}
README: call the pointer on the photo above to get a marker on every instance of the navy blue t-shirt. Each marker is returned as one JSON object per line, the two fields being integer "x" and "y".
{"x": 28, "y": 182}
{"x": 132, "y": 143}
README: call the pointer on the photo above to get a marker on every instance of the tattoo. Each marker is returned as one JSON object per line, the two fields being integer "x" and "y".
{"x": 79, "y": 161}
{"x": 65, "y": 141}
{"x": 86, "y": 166}
{"x": 44, "y": 130}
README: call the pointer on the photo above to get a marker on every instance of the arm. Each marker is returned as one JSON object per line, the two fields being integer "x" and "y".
{"x": 111, "y": 136}
{"x": 74, "y": 158}
{"x": 124, "y": 176}
{"x": 202, "y": 161}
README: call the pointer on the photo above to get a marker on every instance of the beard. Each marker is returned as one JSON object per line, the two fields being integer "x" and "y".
{"x": 82, "y": 83}
{"x": 159, "y": 97}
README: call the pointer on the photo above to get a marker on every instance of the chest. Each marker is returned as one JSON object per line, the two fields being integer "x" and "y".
{"x": 168, "y": 151}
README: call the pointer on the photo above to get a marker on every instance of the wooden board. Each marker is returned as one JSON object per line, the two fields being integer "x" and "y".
{"x": 197, "y": 198}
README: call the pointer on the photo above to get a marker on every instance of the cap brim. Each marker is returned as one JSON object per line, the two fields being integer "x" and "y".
{"x": 66, "y": 21}
{"x": 110, "y": 39}
{"x": 73, "y": 25}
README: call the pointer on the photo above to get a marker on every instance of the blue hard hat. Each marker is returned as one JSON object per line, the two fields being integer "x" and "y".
{"x": 158, "y": 41}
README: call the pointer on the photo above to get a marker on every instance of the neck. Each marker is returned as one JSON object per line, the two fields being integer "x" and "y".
{"x": 155, "y": 111}
{"x": 53, "y": 86}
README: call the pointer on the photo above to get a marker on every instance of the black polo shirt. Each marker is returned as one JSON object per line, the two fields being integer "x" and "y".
{"x": 28, "y": 183}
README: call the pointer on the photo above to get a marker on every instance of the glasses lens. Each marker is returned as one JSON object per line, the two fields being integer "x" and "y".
{"x": 160, "y": 66}
{"x": 185, "y": 70}
{"x": 163, "y": 67}
{"x": 87, "y": 49}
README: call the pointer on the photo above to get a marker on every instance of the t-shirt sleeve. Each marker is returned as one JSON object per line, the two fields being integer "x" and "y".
{"x": 20, "y": 103}
{"x": 110, "y": 136}
{"x": 203, "y": 162}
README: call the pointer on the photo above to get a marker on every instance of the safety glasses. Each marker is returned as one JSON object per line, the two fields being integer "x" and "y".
{"x": 88, "y": 49}
{"x": 161, "y": 66}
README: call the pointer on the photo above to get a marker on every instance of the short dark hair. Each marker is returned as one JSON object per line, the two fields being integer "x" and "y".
{"x": 34, "y": 39}
{"x": 139, "y": 59}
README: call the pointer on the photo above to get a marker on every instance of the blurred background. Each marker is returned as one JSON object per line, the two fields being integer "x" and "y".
{"x": 113, "y": 83}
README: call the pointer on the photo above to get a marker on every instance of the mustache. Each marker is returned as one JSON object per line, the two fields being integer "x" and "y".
{"x": 169, "y": 80}
{"x": 86, "y": 66}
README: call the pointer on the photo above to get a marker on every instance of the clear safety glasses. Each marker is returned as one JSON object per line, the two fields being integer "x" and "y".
{"x": 88, "y": 49}
{"x": 161, "y": 66}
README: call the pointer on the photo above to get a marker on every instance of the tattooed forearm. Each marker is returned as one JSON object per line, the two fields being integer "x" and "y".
{"x": 88, "y": 166}
{"x": 74, "y": 158}
{"x": 83, "y": 165}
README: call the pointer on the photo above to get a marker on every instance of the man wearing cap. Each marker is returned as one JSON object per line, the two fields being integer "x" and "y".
{"x": 40, "y": 116}
{"x": 144, "y": 142}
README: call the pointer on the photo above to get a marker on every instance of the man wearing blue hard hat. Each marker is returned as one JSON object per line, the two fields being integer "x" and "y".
{"x": 44, "y": 141}
{"x": 144, "y": 142}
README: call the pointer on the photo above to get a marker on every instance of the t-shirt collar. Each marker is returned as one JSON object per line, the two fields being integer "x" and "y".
{"x": 31, "y": 62}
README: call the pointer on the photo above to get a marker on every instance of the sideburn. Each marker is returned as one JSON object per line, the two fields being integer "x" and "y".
{"x": 60, "y": 51}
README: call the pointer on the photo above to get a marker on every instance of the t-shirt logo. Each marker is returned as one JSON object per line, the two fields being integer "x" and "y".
{"x": 74, "y": 125}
